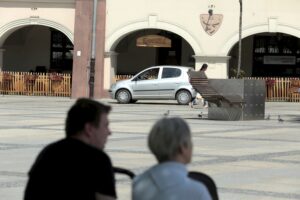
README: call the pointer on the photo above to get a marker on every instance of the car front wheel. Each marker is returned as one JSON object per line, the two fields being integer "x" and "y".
{"x": 183, "y": 97}
{"x": 123, "y": 96}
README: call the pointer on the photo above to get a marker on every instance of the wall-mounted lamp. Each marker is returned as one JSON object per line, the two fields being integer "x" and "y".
{"x": 210, "y": 9}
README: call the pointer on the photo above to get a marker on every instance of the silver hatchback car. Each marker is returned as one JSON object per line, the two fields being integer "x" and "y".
{"x": 158, "y": 82}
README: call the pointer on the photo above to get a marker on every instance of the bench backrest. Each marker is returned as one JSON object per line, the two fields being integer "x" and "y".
{"x": 201, "y": 84}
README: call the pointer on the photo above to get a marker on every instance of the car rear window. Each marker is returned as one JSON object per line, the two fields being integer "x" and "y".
{"x": 171, "y": 73}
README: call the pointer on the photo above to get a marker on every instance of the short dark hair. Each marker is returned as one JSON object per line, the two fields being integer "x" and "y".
{"x": 83, "y": 111}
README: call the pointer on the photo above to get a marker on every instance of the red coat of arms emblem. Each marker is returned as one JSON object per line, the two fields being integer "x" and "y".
{"x": 211, "y": 23}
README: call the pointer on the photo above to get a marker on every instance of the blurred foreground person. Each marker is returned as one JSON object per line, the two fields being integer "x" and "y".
{"x": 76, "y": 167}
{"x": 170, "y": 142}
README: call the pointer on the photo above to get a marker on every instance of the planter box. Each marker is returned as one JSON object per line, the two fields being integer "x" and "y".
{"x": 251, "y": 92}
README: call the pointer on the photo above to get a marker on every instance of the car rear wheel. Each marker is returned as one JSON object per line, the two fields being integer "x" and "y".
{"x": 183, "y": 97}
{"x": 123, "y": 96}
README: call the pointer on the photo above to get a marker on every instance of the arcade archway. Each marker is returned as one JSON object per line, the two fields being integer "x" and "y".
{"x": 132, "y": 58}
{"x": 37, "y": 48}
{"x": 267, "y": 54}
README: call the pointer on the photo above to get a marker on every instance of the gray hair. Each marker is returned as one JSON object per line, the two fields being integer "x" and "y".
{"x": 167, "y": 136}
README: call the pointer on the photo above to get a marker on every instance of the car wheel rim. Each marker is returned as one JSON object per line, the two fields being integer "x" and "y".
{"x": 183, "y": 97}
{"x": 123, "y": 96}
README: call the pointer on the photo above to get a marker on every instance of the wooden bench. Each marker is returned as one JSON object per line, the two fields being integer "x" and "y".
{"x": 210, "y": 94}
{"x": 206, "y": 92}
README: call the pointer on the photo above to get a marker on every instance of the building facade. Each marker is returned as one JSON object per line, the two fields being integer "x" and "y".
{"x": 134, "y": 34}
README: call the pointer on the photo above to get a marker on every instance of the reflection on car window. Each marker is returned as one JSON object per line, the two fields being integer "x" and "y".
{"x": 150, "y": 74}
{"x": 171, "y": 73}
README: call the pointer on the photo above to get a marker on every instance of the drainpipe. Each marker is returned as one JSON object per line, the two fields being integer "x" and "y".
{"x": 240, "y": 40}
{"x": 93, "y": 50}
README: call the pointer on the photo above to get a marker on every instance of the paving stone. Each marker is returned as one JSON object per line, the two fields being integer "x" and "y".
{"x": 247, "y": 159}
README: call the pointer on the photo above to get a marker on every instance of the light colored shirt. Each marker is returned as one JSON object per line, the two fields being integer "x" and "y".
{"x": 168, "y": 181}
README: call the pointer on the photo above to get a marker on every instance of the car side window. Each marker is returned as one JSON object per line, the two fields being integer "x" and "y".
{"x": 171, "y": 73}
{"x": 150, "y": 74}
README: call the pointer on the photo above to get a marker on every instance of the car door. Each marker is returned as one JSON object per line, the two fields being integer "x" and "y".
{"x": 145, "y": 85}
{"x": 169, "y": 82}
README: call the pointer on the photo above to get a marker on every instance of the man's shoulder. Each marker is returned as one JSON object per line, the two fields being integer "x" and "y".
{"x": 69, "y": 149}
{"x": 52, "y": 147}
{"x": 63, "y": 159}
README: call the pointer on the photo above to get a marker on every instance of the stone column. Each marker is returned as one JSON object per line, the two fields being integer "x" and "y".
{"x": 1, "y": 58}
{"x": 99, "y": 91}
{"x": 82, "y": 48}
{"x": 217, "y": 65}
{"x": 110, "y": 65}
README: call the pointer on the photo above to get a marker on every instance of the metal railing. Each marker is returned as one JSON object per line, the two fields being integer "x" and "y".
{"x": 281, "y": 89}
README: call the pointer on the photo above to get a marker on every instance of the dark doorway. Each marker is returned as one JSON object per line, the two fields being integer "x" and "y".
{"x": 132, "y": 58}
{"x": 61, "y": 56}
{"x": 276, "y": 55}
{"x": 267, "y": 55}
{"x": 172, "y": 55}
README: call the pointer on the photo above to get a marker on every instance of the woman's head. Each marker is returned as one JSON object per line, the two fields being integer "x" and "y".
{"x": 204, "y": 67}
{"x": 168, "y": 138}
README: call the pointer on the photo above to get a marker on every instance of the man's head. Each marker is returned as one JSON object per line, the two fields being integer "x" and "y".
{"x": 87, "y": 120}
{"x": 170, "y": 140}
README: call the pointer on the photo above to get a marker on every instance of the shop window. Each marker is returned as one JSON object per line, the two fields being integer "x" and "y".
{"x": 276, "y": 55}
{"x": 61, "y": 52}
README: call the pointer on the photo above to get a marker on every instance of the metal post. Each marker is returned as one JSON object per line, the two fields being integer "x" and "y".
{"x": 240, "y": 40}
{"x": 93, "y": 50}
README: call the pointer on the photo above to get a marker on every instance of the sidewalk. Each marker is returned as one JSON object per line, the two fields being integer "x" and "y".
{"x": 247, "y": 159}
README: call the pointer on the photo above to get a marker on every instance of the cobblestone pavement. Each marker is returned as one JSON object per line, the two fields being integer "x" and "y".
{"x": 247, "y": 159}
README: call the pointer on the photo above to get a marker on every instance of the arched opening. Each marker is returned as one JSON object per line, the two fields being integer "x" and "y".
{"x": 133, "y": 57}
{"x": 267, "y": 55}
{"x": 37, "y": 48}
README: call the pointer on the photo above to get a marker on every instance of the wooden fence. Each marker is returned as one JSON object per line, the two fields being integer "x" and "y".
{"x": 54, "y": 84}
{"x": 281, "y": 89}
{"x": 122, "y": 77}
{"x": 35, "y": 84}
